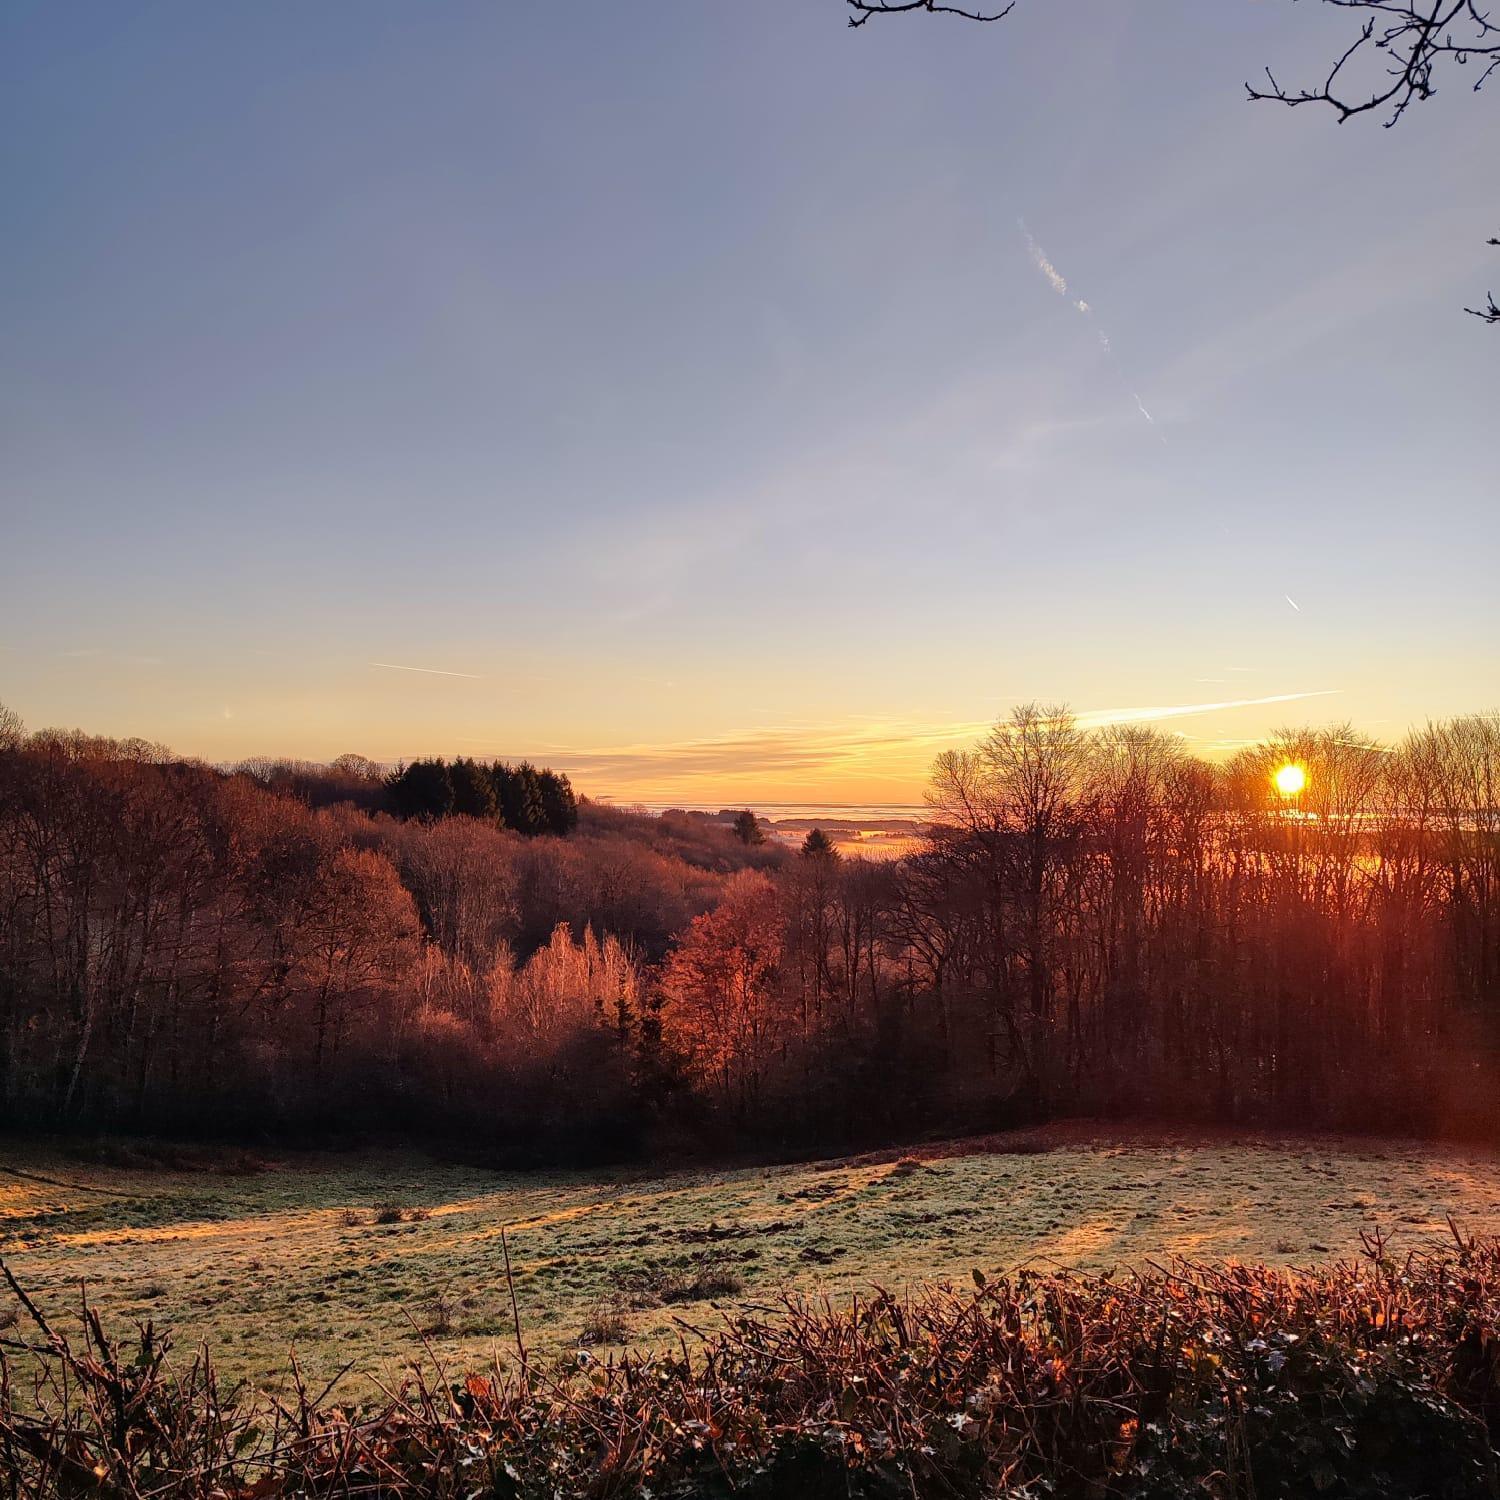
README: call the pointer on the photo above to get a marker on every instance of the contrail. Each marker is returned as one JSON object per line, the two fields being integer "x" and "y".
{"x": 1095, "y": 718}
{"x": 1055, "y": 278}
{"x": 391, "y": 666}
{"x": 1366, "y": 745}
{"x": 1292, "y": 602}
{"x": 1059, "y": 284}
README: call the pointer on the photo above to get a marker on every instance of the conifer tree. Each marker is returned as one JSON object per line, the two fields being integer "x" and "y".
{"x": 422, "y": 790}
{"x": 817, "y": 845}
{"x": 520, "y": 793}
{"x": 559, "y": 804}
{"x": 747, "y": 829}
{"x": 473, "y": 790}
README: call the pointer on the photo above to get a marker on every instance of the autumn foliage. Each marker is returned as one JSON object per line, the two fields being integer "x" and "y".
{"x": 1095, "y": 922}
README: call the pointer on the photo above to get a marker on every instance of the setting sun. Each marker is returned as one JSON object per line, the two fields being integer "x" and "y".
{"x": 1290, "y": 779}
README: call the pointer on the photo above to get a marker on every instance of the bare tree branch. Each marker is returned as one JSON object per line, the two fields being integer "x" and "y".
{"x": 1408, "y": 41}
{"x": 1491, "y": 311}
{"x": 1411, "y": 38}
{"x": 864, "y": 9}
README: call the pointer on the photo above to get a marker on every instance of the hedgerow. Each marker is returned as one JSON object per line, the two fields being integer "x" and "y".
{"x": 1372, "y": 1377}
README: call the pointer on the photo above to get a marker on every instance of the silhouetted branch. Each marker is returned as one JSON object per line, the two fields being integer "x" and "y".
{"x": 1491, "y": 312}
{"x": 1413, "y": 38}
{"x": 864, "y": 9}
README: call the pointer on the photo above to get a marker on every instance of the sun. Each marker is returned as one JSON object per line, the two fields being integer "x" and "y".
{"x": 1289, "y": 779}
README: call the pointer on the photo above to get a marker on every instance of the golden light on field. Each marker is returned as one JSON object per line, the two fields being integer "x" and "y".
{"x": 1289, "y": 779}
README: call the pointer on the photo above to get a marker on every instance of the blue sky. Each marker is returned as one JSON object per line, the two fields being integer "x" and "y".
{"x": 695, "y": 380}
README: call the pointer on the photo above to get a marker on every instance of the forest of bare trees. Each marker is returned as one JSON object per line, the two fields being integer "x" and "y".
{"x": 1096, "y": 922}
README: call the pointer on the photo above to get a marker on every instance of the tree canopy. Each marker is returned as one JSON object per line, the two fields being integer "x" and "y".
{"x": 520, "y": 797}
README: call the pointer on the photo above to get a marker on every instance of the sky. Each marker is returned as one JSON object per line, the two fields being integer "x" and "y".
{"x": 721, "y": 404}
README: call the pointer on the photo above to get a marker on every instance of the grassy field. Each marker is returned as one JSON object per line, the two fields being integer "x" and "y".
{"x": 307, "y": 1251}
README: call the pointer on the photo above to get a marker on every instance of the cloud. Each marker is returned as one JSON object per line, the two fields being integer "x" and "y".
{"x": 786, "y": 750}
{"x": 810, "y": 754}
{"x": 98, "y": 653}
{"x": 391, "y": 666}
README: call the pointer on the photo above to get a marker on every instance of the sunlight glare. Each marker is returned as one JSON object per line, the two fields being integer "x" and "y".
{"x": 1290, "y": 779}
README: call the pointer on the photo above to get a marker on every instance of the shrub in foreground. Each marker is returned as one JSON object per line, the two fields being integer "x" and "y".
{"x": 1369, "y": 1378}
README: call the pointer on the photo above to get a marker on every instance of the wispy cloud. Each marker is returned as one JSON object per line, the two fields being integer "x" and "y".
{"x": 811, "y": 754}
{"x": 786, "y": 750}
{"x": 90, "y": 653}
{"x": 391, "y": 666}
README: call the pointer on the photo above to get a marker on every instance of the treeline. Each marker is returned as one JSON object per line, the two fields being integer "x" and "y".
{"x": 1096, "y": 922}
{"x": 1101, "y": 923}
{"x": 519, "y": 797}
{"x": 191, "y": 950}
{"x": 528, "y": 800}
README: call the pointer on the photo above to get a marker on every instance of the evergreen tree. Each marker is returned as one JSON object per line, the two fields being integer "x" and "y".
{"x": 559, "y": 804}
{"x": 473, "y": 790}
{"x": 747, "y": 828}
{"x": 817, "y": 845}
{"x": 422, "y": 790}
{"x": 531, "y": 808}
{"x": 520, "y": 793}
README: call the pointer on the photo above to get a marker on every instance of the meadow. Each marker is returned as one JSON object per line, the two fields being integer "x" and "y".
{"x": 378, "y": 1260}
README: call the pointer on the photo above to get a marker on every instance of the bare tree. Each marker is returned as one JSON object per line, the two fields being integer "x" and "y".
{"x": 1394, "y": 61}
{"x": 1408, "y": 40}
